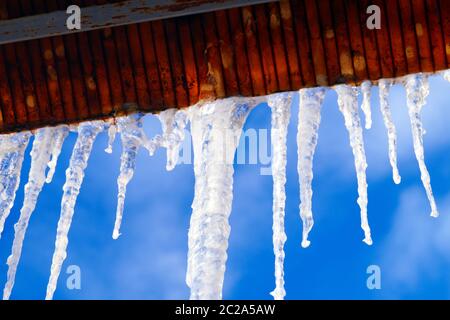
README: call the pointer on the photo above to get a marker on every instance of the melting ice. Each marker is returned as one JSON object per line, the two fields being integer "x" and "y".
{"x": 416, "y": 92}
{"x": 12, "y": 149}
{"x": 87, "y": 132}
{"x": 446, "y": 75}
{"x": 112, "y": 132}
{"x": 310, "y": 103}
{"x": 348, "y": 105}
{"x": 384, "y": 87}
{"x": 60, "y": 136}
{"x": 173, "y": 124}
{"x": 45, "y": 145}
{"x": 281, "y": 113}
{"x": 366, "y": 86}
{"x": 133, "y": 137}
{"x": 215, "y": 130}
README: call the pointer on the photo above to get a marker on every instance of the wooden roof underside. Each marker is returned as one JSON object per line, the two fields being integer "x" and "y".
{"x": 248, "y": 51}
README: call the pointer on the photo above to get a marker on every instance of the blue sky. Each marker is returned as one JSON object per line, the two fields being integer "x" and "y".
{"x": 149, "y": 260}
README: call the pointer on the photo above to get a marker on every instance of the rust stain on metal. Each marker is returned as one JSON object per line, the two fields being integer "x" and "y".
{"x": 248, "y": 51}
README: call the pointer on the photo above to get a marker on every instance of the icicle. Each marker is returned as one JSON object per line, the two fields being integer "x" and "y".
{"x": 416, "y": 92}
{"x": 216, "y": 128}
{"x": 43, "y": 146}
{"x": 173, "y": 124}
{"x": 310, "y": 102}
{"x": 112, "y": 131}
{"x": 61, "y": 134}
{"x": 366, "y": 86}
{"x": 281, "y": 113}
{"x": 348, "y": 105}
{"x": 446, "y": 75}
{"x": 132, "y": 136}
{"x": 12, "y": 149}
{"x": 384, "y": 87}
{"x": 87, "y": 132}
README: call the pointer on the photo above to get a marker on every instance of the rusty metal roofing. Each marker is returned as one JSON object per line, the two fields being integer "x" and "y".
{"x": 248, "y": 51}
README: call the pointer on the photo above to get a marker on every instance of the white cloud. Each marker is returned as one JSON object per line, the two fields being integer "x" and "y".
{"x": 417, "y": 246}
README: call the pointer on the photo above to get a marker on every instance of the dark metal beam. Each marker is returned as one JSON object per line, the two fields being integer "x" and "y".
{"x": 110, "y": 15}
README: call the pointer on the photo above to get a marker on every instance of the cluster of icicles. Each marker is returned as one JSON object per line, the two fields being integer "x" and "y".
{"x": 215, "y": 128}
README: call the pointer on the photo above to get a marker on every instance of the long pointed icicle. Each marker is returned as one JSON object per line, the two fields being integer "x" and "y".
{"x": 281, "y": 113}
{"x": 366, "y": 86}
{"x": 216, "y": 128}
{"x": 416, "y": 92}
{"x": 133, "y": 137}
{"x": 173, "y": 124}
{"x": 43, "y": 146}
{"x": 12, "y": 149}
{"x": 348, "y": 105}
{"x": 87, "y": 132}
{"x": 310, "y": 103}
{"x": 384, "y": 87}
{"x": 60, "y": 136}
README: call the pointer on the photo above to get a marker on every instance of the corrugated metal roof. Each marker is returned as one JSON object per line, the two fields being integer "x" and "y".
{"x": 249, "y": 51}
